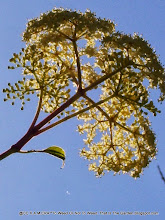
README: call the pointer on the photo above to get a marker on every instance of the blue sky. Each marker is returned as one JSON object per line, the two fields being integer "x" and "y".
{"x": 35, "y": 182}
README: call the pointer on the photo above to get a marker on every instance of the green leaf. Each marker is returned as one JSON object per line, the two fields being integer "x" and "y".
{"x": 55, "y": 151}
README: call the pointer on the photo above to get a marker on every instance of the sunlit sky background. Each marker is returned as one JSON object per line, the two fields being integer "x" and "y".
{"x": 35, "y": 182}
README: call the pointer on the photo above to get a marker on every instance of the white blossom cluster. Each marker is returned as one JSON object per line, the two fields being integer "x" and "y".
{"x": 66, "y": 50}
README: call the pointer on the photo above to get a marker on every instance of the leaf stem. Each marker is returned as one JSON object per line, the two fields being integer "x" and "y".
{"x": 30, "y": 151}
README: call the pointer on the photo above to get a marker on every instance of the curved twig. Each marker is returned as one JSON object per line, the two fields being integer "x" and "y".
{"x": 161, "y": 174}
{"x": 37, "y": 112}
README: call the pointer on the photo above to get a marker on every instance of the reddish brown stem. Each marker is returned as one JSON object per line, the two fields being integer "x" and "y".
{"x": 34, "y": 131}
{"x": 24, "y": 140}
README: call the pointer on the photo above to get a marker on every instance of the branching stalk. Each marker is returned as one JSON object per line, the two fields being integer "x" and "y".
{"x": 37, "y": 112}
{"x": 98, "y": 107}
{"x": 57, "y": 111}
{"x": 103, "y": 78}
{"x": 78, "y": 65}
{"x": 73, "y": 115}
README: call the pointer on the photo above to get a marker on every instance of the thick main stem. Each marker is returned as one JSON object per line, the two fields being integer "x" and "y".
{"x": 24, "y": 140}
{"x": 6, "y": 153}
